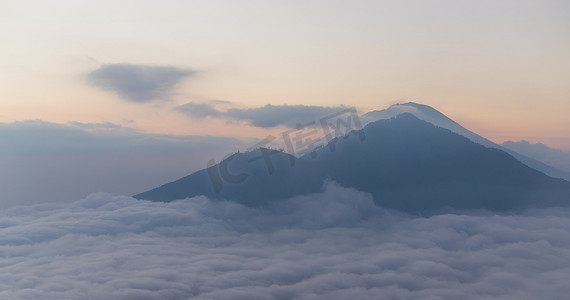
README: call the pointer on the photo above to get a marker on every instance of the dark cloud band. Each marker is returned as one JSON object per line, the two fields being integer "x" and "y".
{"x": 139, "y": 83}
{"x": 43, "y": 161}
{"x": 265, "y": 116}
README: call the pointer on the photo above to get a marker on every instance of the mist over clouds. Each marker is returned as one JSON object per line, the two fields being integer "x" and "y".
{"x": 266, "y": 116}
{"x": 331, "y": 245}
{"x": 139, "y": 83}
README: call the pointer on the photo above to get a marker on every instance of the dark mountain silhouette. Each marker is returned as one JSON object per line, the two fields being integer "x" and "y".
{"x": 249, "y": 178}
{"x": 431, "y": 115}
{"x": 404, "y": 162}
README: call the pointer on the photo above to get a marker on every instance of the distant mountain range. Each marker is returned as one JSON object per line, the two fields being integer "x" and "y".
{"x": 552, "y": 157}
{"x": 405, "y": 163}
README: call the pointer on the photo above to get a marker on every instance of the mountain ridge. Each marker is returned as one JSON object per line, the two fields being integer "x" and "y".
{"x": 404, "y": 162}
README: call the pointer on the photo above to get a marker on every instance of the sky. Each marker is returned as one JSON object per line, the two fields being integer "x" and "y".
{"x": 162, "y": 75}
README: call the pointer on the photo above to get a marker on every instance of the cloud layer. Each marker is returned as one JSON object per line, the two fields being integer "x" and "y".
{"x": 139, "y": 83}
{"x": 42, "y": 161}
{"x": 265, "y": 116}
{"x": 332, "y": 245}
{"x": 36, "y": 137}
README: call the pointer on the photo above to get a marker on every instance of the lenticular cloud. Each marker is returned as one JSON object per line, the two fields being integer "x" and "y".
{"x": 332, "y": 245}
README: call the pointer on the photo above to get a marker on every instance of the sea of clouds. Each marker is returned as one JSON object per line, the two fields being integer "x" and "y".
{"x": 333, "y": 245}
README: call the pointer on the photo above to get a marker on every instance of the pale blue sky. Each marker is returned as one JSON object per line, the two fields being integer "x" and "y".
{"x": 500, "y": 67}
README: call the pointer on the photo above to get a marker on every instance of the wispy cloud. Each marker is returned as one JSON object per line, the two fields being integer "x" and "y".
{"x": 107, "y": 125}
{"x": 265, "y": 116}
{"x": 199, "y": 110}
{"x": 139, "y": 83}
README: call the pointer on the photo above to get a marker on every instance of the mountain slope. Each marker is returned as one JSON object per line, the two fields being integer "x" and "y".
{"x": 405, "y": 163}
{"x": 250, "y": 178}
{"x": 411, "y": 165}
{"x": 435, "y": 117}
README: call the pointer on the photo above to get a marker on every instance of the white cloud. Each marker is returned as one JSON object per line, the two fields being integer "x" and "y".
{"x": 332, "y": 245}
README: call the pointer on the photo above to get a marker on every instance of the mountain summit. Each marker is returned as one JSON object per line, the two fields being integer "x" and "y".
{"x": 404, "y": 162}
{"x": 433, "y": 116}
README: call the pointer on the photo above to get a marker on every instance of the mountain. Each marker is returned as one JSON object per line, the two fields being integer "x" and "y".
{"x": 249, "y": 178}
{"x": 435, "y": 117}
{"x": 541, "y": 152}
{"x": 404, "y": 162}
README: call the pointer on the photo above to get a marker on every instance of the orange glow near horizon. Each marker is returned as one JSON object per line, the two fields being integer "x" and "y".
{"x": 503, "y": 75}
